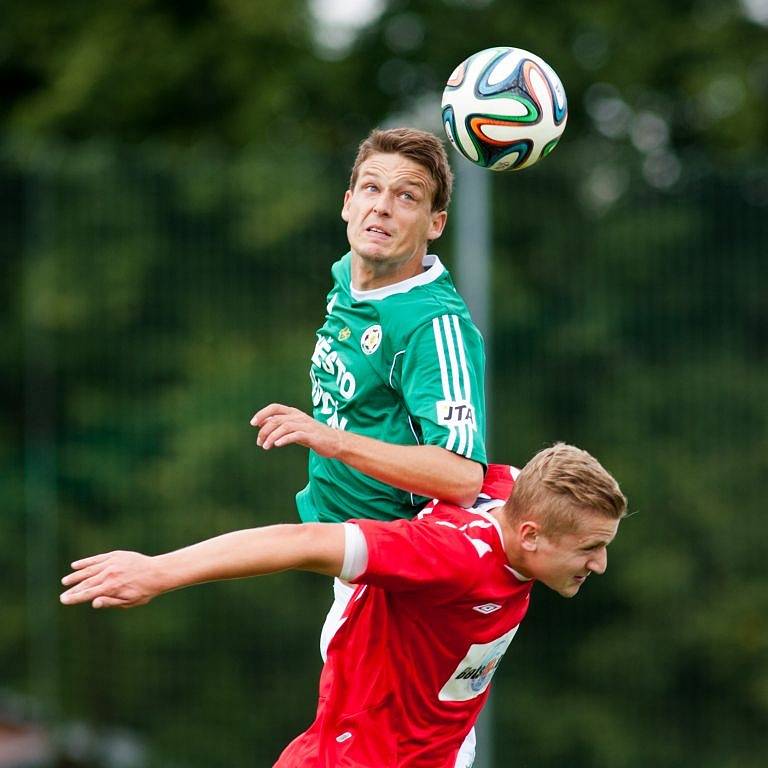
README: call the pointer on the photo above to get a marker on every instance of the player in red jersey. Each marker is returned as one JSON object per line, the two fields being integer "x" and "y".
{"x": 438, "y": 601}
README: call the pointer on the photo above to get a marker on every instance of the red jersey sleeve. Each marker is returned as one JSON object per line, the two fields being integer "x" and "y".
{"x": 417, "y": 554}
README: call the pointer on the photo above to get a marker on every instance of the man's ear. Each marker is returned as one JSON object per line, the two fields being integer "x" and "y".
{"x": 345, "y": 206}
{"x": 528, "y": 534}
{"x": 437, "y": 225}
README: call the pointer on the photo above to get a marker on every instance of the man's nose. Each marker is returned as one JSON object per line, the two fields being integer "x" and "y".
{"x": 598, "y": 562}
{"x": 383, "y": 204}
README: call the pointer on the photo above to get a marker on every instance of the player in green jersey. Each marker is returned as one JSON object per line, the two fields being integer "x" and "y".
{"x": 398, "y": 367}
{"x": 397, "y": 370}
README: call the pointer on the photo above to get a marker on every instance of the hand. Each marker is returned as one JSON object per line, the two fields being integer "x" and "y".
{"x": 281, "y": 425}
{"x": 112, "y": 580}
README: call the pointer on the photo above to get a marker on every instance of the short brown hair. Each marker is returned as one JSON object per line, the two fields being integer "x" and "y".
{"x": 560, "y": 482}
{"x": 422, "y": 147}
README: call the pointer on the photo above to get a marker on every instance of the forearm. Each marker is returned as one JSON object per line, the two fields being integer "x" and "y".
{"x": 254, "y": 552}
{"x": 123, "y": 579}
{"x": 426, "y": 470}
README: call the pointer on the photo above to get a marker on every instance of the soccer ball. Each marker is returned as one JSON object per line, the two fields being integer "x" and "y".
{"x": 504, "y": 108}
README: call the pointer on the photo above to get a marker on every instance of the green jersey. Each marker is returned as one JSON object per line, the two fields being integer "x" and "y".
{"x": 403, "y": 364}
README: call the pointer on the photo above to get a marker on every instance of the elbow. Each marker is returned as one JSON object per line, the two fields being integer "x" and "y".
{"x": 470, "y": 484}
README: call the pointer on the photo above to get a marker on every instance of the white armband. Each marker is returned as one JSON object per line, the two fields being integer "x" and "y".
{"x": 355, "y": 553}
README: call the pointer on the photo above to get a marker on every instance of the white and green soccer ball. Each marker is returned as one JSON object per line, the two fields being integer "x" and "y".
{"x": 504, "y": 108}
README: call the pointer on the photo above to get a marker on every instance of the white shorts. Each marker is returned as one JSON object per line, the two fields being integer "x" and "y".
{"x": 342, "y": 592}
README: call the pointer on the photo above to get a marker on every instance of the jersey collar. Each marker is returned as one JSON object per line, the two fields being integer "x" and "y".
{"x": 433, "y": 268}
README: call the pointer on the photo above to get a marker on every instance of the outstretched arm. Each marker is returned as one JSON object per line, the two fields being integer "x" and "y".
{"x": 127, "y": 579}
{"x": 426, "y": 470}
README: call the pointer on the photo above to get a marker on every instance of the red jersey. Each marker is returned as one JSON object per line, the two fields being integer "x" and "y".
{"x": 410, "y": 667}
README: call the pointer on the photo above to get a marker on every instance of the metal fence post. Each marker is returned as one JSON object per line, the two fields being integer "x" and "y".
{"x": 472, "y": 209}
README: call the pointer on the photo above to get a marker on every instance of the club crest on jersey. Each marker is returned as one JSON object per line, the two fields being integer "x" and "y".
{"x": 371, "y": 339}
{"x": 344, "y": 334}
{"x": 456, "y": 413}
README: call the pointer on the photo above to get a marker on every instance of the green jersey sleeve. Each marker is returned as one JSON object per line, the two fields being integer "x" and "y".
{"x": 440, "y": 374}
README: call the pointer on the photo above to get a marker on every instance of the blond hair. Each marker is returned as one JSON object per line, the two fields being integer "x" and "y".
{"x": 560, "y": 483}
{"x": 422, "y": 147}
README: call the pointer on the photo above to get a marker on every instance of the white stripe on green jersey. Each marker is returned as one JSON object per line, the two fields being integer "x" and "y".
{"x": 403, "y": 364}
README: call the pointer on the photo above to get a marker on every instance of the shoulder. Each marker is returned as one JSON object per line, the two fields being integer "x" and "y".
{"x": 434, "y": 325}
{"x": 420, "y": 306}
{"x": 441, "y": 530}
{"x": 476, "y": 521}
{"x": 414, "y": 303}
{"x": 471, "y": 528}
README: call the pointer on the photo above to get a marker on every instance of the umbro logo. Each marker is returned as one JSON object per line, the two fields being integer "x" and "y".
{"x": 486, "y": 608}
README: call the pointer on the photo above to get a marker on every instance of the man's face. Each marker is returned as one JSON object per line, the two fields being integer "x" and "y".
{"x": 389, "y": 214}
{"x": 563, "y": 562}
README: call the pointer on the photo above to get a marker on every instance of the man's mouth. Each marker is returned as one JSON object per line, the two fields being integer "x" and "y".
{"x": 374, "y": 230}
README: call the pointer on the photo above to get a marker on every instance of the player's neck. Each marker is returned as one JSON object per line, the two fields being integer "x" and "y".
{"x": 515, "y": 558}
{"x": 369, "y": 274}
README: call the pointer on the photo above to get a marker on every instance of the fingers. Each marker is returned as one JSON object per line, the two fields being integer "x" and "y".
{"x": 111, "y": 602}
{"x": 85, "y": 572}
{"x": 104, "y": 593}
{"x": 96, "y": 599}
{"x": 287, "y": 434}
{"x": 267, "y": 426}
{"x": 281, "y": 425}
{"x": 277, "y": 425}
{"x": 81, "y": 594}
{"x": 278, "y": 433}
{"x": 92, "y": 560}
{"x": 88, "y": 581}
{"x": 271, "y": 417}
{"x": 113, "y": 576}
{"x": 273, "y": 409}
